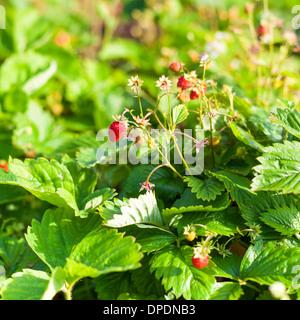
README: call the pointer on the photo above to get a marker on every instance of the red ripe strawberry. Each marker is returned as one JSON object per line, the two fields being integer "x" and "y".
{"x": 175, "y": 66}
{"x": 183, "y": 83}
{"x": 116, "y": 131}
{"x": 194, "y": 95}
{"x": 262, "y": 30}
{"x": 199, "y": 261}
{"x": 4, "y": 166}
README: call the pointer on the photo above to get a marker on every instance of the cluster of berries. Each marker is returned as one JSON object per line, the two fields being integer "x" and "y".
{"x": 185, "y": 82}
{"x": 189, "y": 88}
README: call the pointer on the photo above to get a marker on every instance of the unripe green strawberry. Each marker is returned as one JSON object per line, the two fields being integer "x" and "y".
{"x": 190, "y": 232}
{"x": 190, "y": 236}
{"x": 116, "y": 131}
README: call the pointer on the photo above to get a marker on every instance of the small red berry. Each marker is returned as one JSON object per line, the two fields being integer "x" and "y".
{"x": 200, "y": 262}
{"x": 116, "y": 131}
{"x": 175, "y": 66}
{"x": 4, "y": 166}
{"x": 183, "y": 96}
{"x": 183, "y": 83}
{"x": 262, "y": 30}
{"x": 195, "y": 93}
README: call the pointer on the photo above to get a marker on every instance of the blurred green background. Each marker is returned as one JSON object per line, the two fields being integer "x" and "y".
{"x": 65, "y": 64}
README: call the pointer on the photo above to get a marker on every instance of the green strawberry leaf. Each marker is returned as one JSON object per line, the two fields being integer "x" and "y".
{"x": 47, "y": 180}
{"x": 289, "y": 119}
{"x": 107, "y": 251}
{"x": 76, "y": 244}
{"x": 189, "y": 203}
{"x": 144, "y": 209}
{"x": 256, "y": 204}
{"x": 226, "y": 291}
{"x": 61, "y": 184}
{"x": 227, "y": 267}
{"x": 270, "y": 262}
{"x": 279, "y": 169}
{"x": 166, "y": 185}
{"x": 223, "y": 222}
{"x": 245, "y": 137}
{"x": 284, "y": 219}
{"x": 42, "y": 286}
{"x": 238, "y": 186}
{"x": 55, "y": 237}
{"x": 206, "y": 190}
{"x": 151, "y": 238}
{"x": 179, "y": 113}
{"x": 174, "y": 267}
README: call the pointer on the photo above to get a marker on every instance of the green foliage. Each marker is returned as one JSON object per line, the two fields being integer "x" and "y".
{"x": 279, "y": 168}
{"x": 75, "y": 225}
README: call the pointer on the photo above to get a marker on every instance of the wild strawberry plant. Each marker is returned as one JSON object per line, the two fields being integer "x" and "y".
{"x": 229, "y": 232}
{"x": 191, "y": 190}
